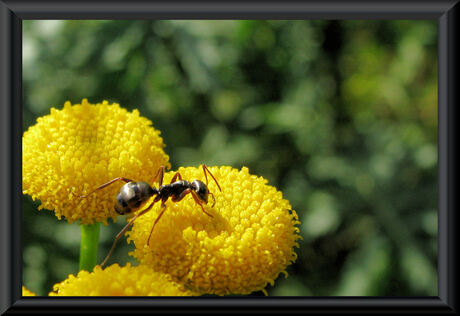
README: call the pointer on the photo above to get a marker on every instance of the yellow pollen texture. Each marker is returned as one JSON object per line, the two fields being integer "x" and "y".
{"x": 26, "y": 292}
{"x": 245, "y": 245}
{"x": 119, "y": 281}
{"x": 78, "y": 148}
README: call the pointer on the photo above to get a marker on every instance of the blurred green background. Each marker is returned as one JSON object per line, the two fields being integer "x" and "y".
{"x": 341, "y": 116}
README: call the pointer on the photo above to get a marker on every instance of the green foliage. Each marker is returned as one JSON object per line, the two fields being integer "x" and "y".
{"x": 341, "y": 116}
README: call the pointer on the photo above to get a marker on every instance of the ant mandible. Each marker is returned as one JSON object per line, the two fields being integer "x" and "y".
{"x": 134, "y": 195}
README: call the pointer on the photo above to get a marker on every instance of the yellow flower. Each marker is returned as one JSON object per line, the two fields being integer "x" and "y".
{"x": 80, "y": 147}
{"x": 247, "y": 243}
{"x": 119, "y": 281}
{"x": 26, "y": 292}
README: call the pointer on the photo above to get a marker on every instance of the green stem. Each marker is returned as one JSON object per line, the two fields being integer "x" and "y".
{"x": 88, "y": 246}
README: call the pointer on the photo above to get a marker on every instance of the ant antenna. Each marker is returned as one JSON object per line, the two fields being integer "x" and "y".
{"x": 204, "y": 171}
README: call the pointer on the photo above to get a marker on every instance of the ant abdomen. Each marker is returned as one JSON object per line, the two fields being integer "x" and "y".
{"x": 132, "y": 196}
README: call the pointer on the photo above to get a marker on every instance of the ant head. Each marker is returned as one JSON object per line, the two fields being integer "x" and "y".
{"x": 201, "y": 190}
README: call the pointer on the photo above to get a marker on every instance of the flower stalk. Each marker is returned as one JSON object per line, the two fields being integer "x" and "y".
{"x": 88, "y": 246}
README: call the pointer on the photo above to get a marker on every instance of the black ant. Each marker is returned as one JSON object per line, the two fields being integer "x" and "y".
{"x": 133, "y": 196}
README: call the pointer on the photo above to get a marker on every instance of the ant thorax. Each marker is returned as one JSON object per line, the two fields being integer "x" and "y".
{"x": 174, "y": 190}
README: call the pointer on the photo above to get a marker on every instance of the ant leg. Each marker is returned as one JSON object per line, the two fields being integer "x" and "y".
{"x": 213, "y": 199}
{"x": 197, "y": 200}
{"x": 103, "y": 186}
{"x": 123, "y": 231}
{"x": 204, "y": 171}
{"x": 160, "y": 174}
{"x": 177, "y": 175}
{"x": 177, "y": 198}
{"x": 156, "y": 221}
{"x": 195, "y": 197}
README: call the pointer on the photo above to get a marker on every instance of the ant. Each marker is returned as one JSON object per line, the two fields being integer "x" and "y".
{"x": 134, "y": 195}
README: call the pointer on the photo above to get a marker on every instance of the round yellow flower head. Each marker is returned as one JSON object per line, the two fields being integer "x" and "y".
{"x": 76, "y": 149}
{"x": 26, "y": 292}
{"x": 247, "y": 242}
{"x": 120, "y": 281}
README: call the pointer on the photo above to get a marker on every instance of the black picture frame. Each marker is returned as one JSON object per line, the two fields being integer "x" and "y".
{"x": 12, "y": 12}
